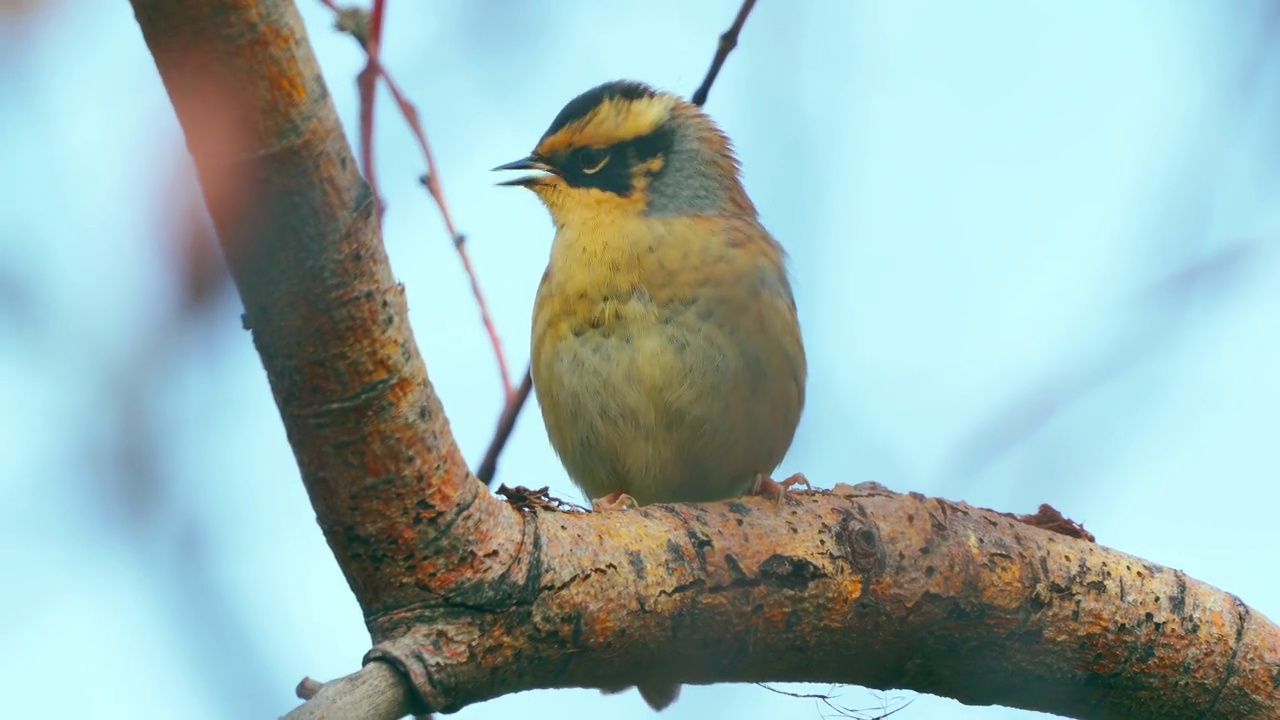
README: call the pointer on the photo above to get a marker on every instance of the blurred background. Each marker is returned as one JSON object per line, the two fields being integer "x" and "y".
{"x": 1034, "y": 248}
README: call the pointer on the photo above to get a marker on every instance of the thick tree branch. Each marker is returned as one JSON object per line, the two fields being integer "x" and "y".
{"x": 857, "y": 586}
{"x": 471, "y": 598}
{"x": 328, "y": 318}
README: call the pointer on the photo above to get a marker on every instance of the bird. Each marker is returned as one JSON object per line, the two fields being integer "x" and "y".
{"x": 666, "y": 352}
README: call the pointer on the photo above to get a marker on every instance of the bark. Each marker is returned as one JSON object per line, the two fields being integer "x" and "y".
{"x": 469, "y": 597}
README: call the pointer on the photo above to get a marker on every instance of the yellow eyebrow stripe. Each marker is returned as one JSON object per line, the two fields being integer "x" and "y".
{"x": 614, "y": 120}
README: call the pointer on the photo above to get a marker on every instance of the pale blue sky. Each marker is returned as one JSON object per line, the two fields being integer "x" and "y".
{"x": 978, "y": 199}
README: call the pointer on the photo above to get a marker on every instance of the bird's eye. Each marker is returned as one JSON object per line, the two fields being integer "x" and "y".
{"x": 592, "y": 159}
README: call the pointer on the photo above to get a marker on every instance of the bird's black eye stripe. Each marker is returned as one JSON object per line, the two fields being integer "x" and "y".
{"x": 591, "y": 159}
{"x": 609, "y": 168}
{"x": 649, "y": 146}
{"x": 604, "y": 168}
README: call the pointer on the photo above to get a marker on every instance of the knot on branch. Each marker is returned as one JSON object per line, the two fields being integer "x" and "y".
{"x": 859, "y": 541}
{"x": 430, "y": 654}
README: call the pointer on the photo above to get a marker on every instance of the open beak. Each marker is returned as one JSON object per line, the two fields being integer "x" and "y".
{"x": 526, "y": 163}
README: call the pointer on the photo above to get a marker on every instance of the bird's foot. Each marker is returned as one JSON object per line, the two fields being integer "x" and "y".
{"x": 767, "y": 487}
{"x": 616, "y": 500}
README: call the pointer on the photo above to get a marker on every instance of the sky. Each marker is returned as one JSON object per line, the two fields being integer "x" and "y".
{"x": 1033, "y": 248}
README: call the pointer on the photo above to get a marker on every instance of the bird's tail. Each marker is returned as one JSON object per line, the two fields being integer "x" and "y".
{"x": 658, "y": 696}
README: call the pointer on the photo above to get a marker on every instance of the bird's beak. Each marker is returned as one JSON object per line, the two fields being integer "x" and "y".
{"x": 526, "y": 163}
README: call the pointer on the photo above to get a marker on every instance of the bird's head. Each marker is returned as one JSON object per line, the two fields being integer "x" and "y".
{"x": 625, "y": 147}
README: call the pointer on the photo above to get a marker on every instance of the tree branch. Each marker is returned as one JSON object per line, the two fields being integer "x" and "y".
{"x": 328, "y": 318}
{"x": 857, "y": 586}
{"x": 358, "y": 24}
{"x": 366, "y": 83}
{"x": 470, "y": 598}
{"x": 376, "y": 690}
{"x": 506, "y": 424}
{"x": 728, "y": 41}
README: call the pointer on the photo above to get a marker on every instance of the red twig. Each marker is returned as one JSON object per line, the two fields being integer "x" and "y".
{"x": 367, "y": 82}
{"x": 431, "y": 180}
{"x": 367, "y": 30}
{"x": 728, "y": 41}
{"x": 506, "y": 423}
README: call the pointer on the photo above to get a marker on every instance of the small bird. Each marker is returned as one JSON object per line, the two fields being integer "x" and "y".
{"x": 666, "y": 351}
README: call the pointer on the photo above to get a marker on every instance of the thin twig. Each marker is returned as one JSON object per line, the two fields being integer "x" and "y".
{"x": 507, "y": 421}
{"x": 829, "y": 701}
{"x": 366, "y": 81}
{"x": 431, "y": 180}
{"x": 728, "y": 41}
{"x": 359, "y": 25}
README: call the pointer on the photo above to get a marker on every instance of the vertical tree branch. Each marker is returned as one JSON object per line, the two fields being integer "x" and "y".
{"x": 329, "y": 320}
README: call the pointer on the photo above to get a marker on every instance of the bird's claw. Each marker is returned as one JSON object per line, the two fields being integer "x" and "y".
{"x": 767, "y": 487}
{"x": 616, "y": 500}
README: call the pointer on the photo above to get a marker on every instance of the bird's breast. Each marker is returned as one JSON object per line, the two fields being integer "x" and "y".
{"x": 667, "y": 363}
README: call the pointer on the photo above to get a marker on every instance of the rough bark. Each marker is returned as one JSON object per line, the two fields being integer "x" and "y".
{"x": 471, "y": 598}
{"x": 857, "y": 586}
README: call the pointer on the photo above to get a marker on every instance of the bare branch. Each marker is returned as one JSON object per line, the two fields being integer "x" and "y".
{"x": 506, "y": 424}
{"x": 357, "y": 24}
{"x": 857, "y": 586}
{"x": 431, "y": 181}
{"x": 327, "y": 316}
{"x": 366, "y": 81}
{"x": 374, "y": 692}
{"x": 728, "y": 41}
